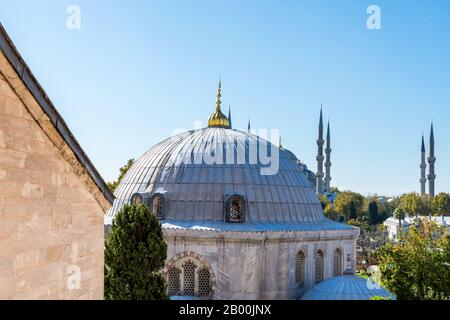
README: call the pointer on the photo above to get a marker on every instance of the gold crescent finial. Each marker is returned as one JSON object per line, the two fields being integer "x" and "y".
{"x": 219, "y": 95}
{"x": 218, "y": 119}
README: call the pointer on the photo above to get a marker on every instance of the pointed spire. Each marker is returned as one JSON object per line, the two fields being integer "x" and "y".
{"x": 432, "y": 133}
{"x": 218, "y": 119}
{"x": 229, "y": 116}
{"x": 249, "y": 127}
{"x": 321, "y": 117}
{"x": 328, "y": 133}
{"x": 219, "y": 95}
{"x": 423, "y": 167}
{"x": 320, "y": 157}
{"x": 431, "y": 162}
{"x": 423, "y": 143}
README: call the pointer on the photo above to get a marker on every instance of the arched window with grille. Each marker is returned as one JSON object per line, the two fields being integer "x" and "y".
{"x": 204, "y": 283}
{"x": 337, "y": 262}
{"x": 173, "y": 281}
{"x": 300, "y": 268}
{"x": 137, "y": 199}
{"x": 189, "y": 278}
{"x": 318, "y": 264}
{"x": 158, "y": 206}
{"x": 235, "y": 209}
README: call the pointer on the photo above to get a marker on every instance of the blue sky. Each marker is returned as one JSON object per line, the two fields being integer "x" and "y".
{"x": 138, "y": 70}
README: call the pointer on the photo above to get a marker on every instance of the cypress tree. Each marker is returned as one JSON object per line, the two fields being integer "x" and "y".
{"x": 135, "y": 252}
{"x": 373, "y": 213}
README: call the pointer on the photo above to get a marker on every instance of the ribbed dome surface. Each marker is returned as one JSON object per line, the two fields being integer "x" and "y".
{"x": 346, "y": 287}
{"x": 197, "y": 191}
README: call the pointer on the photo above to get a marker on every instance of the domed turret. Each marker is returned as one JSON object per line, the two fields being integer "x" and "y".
{"x": 347, "y": 287}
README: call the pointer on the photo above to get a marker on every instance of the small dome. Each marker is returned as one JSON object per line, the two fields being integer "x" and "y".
{"x": 347, "y": 287}
{"x": 218, "y": 119}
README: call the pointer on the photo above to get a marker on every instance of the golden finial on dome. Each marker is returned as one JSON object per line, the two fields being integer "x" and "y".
{"x": 218, "y": 119}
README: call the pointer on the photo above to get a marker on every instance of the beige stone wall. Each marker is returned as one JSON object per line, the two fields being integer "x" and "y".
{"x": 51, "y": 219}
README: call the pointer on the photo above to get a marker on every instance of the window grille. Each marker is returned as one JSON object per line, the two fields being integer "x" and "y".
{"x": 189, "y": 278}
{"x": 300, "y": 268}
{"x": 319, "y": 266}
{"x": 204, "y": 287}
{"x": 337, "y": 263}
{"x": 173, "y": 282}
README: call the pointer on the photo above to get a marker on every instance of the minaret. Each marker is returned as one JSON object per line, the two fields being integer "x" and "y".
{"x": 431, "y": 161}
{"x": 320, "y": 142}
{"x": 423, "y": 167}
{"x": 327, "y": 187}
{"x": 229, "y": 116}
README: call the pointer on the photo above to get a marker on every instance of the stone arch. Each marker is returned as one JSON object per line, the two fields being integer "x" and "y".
{"x": 196, "y": 257}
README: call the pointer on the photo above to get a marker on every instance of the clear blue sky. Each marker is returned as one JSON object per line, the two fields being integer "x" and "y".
{"x": 138, "y": 70}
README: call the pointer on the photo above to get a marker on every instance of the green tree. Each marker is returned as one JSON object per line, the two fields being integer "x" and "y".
{"x": 415, "y": 204}
{"x": 349, "y": 204}
{"x": 324, "y": 201}
{"x": 400, "y": 214}
{"x": 373, "y": 213}
{"x": 135, "y": 253}
{"x": 123, "y": 170}
{"x": 417, "y": 267}
{"x": 369, "y": 240}
{"x": 441, "y": 204}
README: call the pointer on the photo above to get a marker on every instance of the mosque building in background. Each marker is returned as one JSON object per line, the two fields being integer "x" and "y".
{"x": 234, "y": 230}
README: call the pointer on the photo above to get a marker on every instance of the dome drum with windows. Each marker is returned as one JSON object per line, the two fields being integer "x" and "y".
{"x": 224, "y": 220}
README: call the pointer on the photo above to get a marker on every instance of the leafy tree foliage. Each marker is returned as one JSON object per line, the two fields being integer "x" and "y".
{"x": 349, "y": 204}
{"x": 123, "y": 170}
{"x": 135, "y": 253}
{"x": 415, "y": 204}
{"x": 370, "y": 239}
{"x": 418, "y": 266}
{"x": 400, "y": 214}
{"x": 441, "y": 204}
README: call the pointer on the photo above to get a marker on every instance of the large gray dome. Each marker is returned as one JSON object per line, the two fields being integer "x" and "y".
{"x": 196, "y": 192}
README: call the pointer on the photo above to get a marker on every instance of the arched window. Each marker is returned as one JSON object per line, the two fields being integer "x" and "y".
{"x": 173, "y": 281}
{"x": 188, "y": 274}
{"x": 158, "y": 206}
{"x": 318, "y": 264}
{"x": 204, "y": 284}
{"x": 300, "y": 268}
{"x": 136, "y": 199}
{"x": 337, "y": 262}
{"x": 189, "y": 278}
{"x": 235, "y": 209}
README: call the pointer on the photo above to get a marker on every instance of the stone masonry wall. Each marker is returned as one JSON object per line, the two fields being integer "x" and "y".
{"x": 51, "y": 224}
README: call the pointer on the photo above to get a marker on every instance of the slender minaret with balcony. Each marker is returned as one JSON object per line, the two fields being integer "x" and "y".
{"x": 327, "y": 188}
{"x": 423, "y": 167}
{"x": 320, "y": 157}
{"x": 431, "y": 161}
